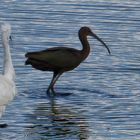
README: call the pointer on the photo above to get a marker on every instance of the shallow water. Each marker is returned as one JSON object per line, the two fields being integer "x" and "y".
{"x": 103, "y": 103}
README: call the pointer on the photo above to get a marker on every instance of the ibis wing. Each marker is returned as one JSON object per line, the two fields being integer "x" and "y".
{"x": 58, "y": 57}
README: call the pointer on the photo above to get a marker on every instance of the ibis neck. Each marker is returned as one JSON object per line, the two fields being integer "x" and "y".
{"x": 8, "y": 70}
{"x": 86, "y": 48}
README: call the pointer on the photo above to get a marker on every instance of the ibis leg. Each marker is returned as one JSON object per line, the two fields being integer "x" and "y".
{"x": 53, "y": 81}
{"x": 56, "y": 78}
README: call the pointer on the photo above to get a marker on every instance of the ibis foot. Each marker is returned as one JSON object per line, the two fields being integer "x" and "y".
{"x": 51, "y": 93}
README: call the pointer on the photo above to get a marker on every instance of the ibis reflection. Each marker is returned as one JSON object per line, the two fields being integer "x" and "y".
{"x": 54, "y": 120}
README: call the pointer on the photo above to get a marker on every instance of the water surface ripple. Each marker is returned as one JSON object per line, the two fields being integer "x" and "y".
{"x": 103, "y": 101}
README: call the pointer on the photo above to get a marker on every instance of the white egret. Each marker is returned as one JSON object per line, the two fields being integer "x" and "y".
{"x": 7, "y": 79}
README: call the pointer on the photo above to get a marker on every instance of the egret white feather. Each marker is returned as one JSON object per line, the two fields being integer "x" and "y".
{"x": 7, "y": 79}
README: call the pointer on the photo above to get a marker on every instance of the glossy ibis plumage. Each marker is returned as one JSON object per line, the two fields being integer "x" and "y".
{"x": 62, "y": 59}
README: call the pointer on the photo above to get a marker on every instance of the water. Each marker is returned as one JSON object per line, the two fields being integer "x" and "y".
{"x": 104, "y": 100}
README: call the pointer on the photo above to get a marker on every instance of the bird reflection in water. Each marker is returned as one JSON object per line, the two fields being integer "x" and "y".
{"x": 57, "y": 121}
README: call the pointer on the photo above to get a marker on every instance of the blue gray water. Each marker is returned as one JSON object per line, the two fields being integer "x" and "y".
{"x": 104, "y": 103}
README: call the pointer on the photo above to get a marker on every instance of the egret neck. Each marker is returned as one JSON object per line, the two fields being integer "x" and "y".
{"x": 8, "y": 70}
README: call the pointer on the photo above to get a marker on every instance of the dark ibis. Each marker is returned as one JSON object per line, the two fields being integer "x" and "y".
{"x": 62, "y": 59}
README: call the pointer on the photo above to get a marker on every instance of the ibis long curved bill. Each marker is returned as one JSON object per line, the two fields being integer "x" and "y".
{"x": 100, "y": 40}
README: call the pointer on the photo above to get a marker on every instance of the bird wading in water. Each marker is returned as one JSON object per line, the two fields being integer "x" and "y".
{"x": 7, "y": 79}
{"x": 62, "y": 59}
